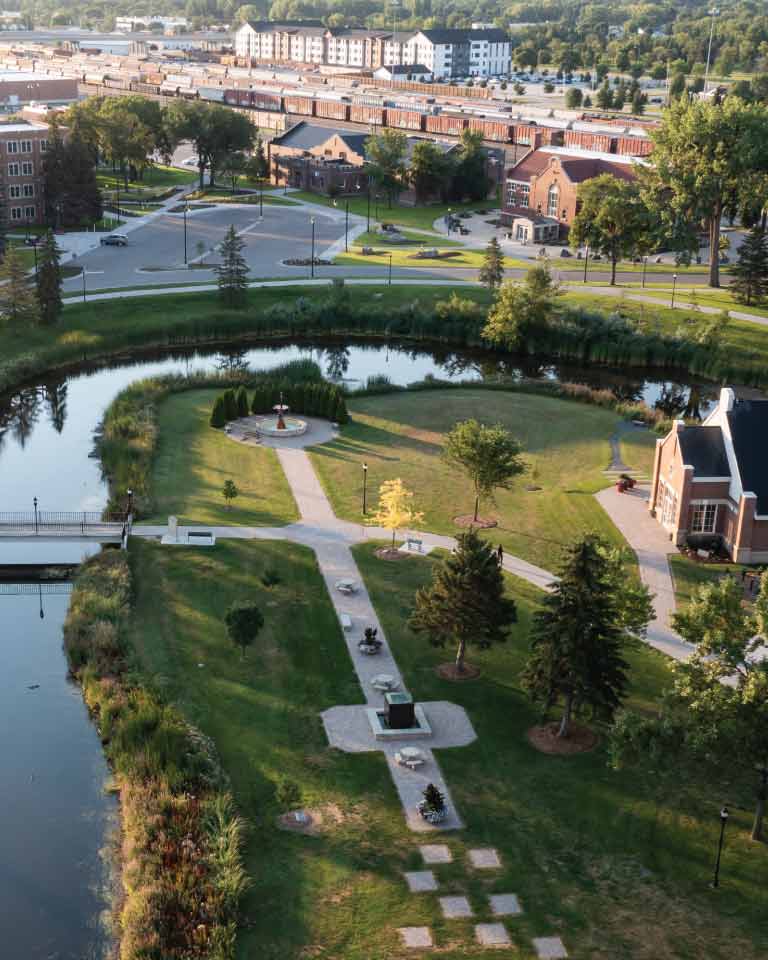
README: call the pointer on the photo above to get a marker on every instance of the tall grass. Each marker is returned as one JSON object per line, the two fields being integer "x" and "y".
{"x": 181, "y": 853}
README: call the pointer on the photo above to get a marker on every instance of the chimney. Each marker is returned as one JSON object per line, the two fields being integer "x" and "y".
{"x": 727, "y": 399}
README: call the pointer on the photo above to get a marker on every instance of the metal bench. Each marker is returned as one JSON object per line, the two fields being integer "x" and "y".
{"x": 414, "y": 543}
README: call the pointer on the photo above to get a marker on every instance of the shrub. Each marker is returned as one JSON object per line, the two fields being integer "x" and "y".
{"x": 270, "y": 577}
{"x": 218, "y": 414}
{"x": 287, "y": 793}
{"x": 242, "y": 402}
{"x": 230, "y": 405}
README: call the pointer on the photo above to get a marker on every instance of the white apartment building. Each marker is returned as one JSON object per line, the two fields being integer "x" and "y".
{"x": 131, "y": 24}
{"x": 462, "y": 53}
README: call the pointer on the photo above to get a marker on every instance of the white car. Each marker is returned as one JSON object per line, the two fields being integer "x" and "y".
{"x": 190, "y": 162}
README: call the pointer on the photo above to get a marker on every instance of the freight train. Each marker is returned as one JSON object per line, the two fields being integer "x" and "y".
{"x": 496, "y": 126}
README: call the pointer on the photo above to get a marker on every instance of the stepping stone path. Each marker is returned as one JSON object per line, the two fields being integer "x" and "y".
{"x": 421, "y": 881}
{"x": 505, "y": 905}
{"x": 416, "y": 937}
{"x": 454, "y": 907}
{"x": 436, "y": 853}
{"x": 550, "y": 948}
{"x": 492, "y": 935}
{"x": 486, "y": 858}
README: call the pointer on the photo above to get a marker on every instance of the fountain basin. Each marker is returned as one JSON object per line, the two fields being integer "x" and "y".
{"x": 268, "y": 427}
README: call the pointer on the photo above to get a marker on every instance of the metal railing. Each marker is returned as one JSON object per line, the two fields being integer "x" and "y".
{"x": 80, "y": 522}
{"x": 35, "y": 589}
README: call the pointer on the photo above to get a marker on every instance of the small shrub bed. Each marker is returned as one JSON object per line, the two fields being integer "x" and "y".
{"x": 181, "y": 862}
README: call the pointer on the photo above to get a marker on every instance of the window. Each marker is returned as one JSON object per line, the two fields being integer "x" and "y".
{"x": 26, "y": 146}
{"x": 43, "y": 146}
{"x": 552, "y": 198}
{"x": 703, "y": 517}
{"x": 669, "y": 506}
{"x": 13, "y": 170}
{"x": 26, "y": 168}
{"x": 15, "y": 213}
{"x": 14, "y": 191}
{"x": 29, "y": 189}
{"x": 30, "y": 213}
{"x": 13, "y": 146}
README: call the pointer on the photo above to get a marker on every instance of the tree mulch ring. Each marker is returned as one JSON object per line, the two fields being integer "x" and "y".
{"x": 482, "y": 523}
{"x": 389, "y": 553}
{"x": 448, "y": 671}
{"x": 299, "y": 821}
{"x": 545, "y": 739}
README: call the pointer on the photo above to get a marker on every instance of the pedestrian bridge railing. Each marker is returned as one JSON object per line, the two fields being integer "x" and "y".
{"x": 57, "y": 523}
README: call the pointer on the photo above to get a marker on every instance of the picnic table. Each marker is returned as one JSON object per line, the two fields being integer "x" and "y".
{"x": 346, "y": 586}
{"x": 410, "y": 757}
{"x": 384, "y": 682}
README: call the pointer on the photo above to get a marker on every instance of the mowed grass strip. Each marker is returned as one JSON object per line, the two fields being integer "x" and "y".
{"x": 688, "y": 575}
{"x": 193, "y": 461}
{"x": 614, "y": 865}
{"x": 339, "y": 893}
{"x": 566, "y": 446}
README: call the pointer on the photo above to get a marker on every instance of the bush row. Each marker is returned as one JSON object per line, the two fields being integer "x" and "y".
{"x": 181, "y": 854}
{"x": 312, "y": 399}
{"x": 128, "y": 435}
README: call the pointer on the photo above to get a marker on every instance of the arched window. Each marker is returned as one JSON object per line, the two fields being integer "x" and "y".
{"x": 553, "y": 197}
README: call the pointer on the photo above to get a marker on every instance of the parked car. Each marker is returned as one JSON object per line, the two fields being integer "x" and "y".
{"x": 190, "y": 162}
{"x": 114, "y": 240}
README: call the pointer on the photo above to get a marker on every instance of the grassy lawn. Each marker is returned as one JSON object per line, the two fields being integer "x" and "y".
{"x": 722, "y": 298}
{"x": 565, "y": 443}
{"x": 418, "y": 218}
{"x": 413, "y": 237}
{"x": 448, "y": 256}
{"x": 688, "y": 575}
{"x": 193, "y": 461}
{"x": 224, "y": 195}
{"x": 156, "y": 179}
{"x": 616, "y": 869}
{"x": 743, "y": 339}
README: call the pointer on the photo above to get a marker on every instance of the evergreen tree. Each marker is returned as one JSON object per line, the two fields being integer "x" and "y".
{"x": 18, "y": 303}
{"x": 219, "y": 413}
{"x": 492, "y": 270}
{"x": 465, "y": 602}
{"x": 604, "y": 98}
{"x": 230, "y": 405}
{"x": 242, "y": 402}
{"x": 232, "y": 273}
{"x": 577, "y": 638}
{"x": 639, "y": 100}
{"x": 49, "y": 280}
{"x": 750, "y": 271}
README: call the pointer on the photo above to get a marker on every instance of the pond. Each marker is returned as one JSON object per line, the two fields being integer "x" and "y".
{"x": 52, "y": 804}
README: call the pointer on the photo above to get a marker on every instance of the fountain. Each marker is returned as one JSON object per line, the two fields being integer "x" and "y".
{"x": 280, "y": 425}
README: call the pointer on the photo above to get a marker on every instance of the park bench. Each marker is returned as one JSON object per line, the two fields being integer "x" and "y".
{"x": 414, "y": 543}
{"x": 346, "y": 621}
{"x": 203, "y": 537}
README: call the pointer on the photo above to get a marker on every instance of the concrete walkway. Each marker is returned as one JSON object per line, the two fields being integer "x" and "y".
{"x": 629, "y": 512}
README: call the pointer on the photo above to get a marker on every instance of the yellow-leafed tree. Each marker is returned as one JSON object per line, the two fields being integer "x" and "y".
{"x": 395, "y": 508}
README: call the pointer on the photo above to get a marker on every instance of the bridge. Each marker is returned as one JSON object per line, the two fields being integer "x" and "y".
{"x": 65, "y": 525}
{"x": 39, "y": 589}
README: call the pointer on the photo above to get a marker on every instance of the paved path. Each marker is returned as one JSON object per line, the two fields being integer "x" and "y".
{"x": 629, "y": 511}
{"x": 661, "y": 302}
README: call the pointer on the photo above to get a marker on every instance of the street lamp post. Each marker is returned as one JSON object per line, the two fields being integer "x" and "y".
{"x": 645, "y": 264}
{"x": 261, "y": 202}
{"x": 448, "y": 220}
{"x": 723, "y": 821}
{"x": 365, "y": 487}
{"x": 674, "y": 284}
{"x": 130, "y": 501}
{"x": 117, "y": 188}
{"x": 312, "y": 258}
{"x": 586, "y": 262}
{"x": 389, "y": 277}
{"x": 40, "y": 596}
{"x": 34, "y": 250}
{"x": 346, "y": 226}
{"x": 34, "y": 503}
{"x": 184, "y": 211}
{"x": 368, "y": 216}
{"x": 714, "y": 12}
{"x": 84, "y": 292}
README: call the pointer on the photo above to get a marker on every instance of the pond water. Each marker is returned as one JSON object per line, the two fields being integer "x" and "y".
{"x": 52, "y": 805}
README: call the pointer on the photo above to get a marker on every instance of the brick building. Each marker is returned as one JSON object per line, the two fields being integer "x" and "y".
{"x": 320, "y": 160}
{"x": 17, "y": 89}
{"x": 711, "y": 481}
{"x": 540, "y": 197}
{"x": 22, "y": 145}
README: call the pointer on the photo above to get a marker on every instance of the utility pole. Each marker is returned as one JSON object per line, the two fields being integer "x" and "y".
{"x": 714, "y": 12}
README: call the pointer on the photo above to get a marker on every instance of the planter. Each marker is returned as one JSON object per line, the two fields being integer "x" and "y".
{"x": 369, "y": 648}
{"x": 432, "y": 816}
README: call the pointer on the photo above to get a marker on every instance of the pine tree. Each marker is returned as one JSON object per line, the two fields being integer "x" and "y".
{"x": 492, "y": 270}
{"x": 242, "y": 402}
{"x": 750, "y": 271}
{"x": 49, "y": 280}
{"x": 577, "y": 638}
{"x": 232, "y": 273}
{"x": 230, "y": 405}
{"x": 465, "y": 602}
{"x": 605, "y": 97}
{"x": 18, "y": 303}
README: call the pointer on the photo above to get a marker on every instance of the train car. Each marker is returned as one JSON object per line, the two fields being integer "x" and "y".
{"x": 148, "y": 89}
{"x": 304, "y": 106}
{"x": 634, "y": 146}
{"x": 497, "y": 130}
{"x": 602, "y": 142}
{"x": 332, "y": 109}
{"x": 527, "y": 135}
{"x": 360, "y": 113}
{"x": 213, "y": 94}
{"x": 552, "y": 136}
{"x": 405, "y": 119}
{"x": 446, "y": 123}
{"x": 264, "y": 100}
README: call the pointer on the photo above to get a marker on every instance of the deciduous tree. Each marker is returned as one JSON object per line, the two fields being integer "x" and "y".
{"x": 18, "y": 303}
{"x": 385, "y": 152}
{"x": 428, "y": 170}
{"x": 395, "y": 508}
{"x": 490, "y": 456}
{"x": 465, "y": 602}
{"x": 229, "y": 491}
{"x": 520, "y": 307}
{"x": 244, "y": 622}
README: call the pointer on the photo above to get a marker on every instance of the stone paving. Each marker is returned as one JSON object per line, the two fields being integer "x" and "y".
{"x": 505, "y": 904}
{"x": 492, "y": 935}
{"x": 416, "y": 937}
{"x": 436, "y": 853}
{"x": 485, "y": 859}
{"x": 421, "y": 881}
{"x": 550, "y": 948}
{"x": 455, "y": 907}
